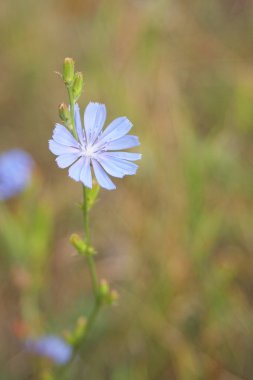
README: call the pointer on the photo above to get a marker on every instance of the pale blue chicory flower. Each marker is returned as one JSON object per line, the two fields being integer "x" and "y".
{"x": 51, "y": 347}
{"x": 15, "y": 172}
{"x": 95, "y": 147}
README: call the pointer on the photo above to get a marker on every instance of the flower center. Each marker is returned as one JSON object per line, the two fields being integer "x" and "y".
{"x": 88, "y": 151}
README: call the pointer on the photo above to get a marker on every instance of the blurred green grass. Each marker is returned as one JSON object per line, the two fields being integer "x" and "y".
{"x": 175, "y": 240}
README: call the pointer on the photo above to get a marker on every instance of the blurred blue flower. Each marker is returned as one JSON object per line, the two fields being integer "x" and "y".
{"x": 95, "y": 147}
{"x": 50, "y": 346}
{"x": 15, "y": 172}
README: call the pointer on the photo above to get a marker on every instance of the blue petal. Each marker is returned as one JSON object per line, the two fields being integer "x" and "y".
{"x": 125, "y": 155}
{"x": 65, "y": 160}
{"x": 118, "y": 128}
{"x": 94, "y": 119}
{"x": 76, "y": 168}
{"x": 110, "y": 168}
{"x": 101, "y": 176}
{"x": 78, "y": 124}
{"x": 124, "y": 142}
{"x": 58, "y": 149}
{"x": 117, "y": 167}
{"x": 85, "y": 176}
{"x": 15, "y": 172}
{"x": 51, "y": 347}
{"x": 62, "y": 136}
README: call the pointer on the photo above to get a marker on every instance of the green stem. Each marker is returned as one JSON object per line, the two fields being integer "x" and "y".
{"x": 90, "y": 259}
{"x": 72, "y": 110}
{"x": 93, "y": 315}
{"x": 95, "y": 285}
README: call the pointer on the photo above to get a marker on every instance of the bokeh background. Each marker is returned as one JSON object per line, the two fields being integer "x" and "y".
{"x": 176, "y": 239}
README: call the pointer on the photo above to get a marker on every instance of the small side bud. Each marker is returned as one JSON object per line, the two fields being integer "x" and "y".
{"x": 81, "y": 246}
{"x": 46, "y": 375}
{"x": 68, "y": 71}
{"x": 107, "y": 296}
{"x": 80, "y": 328}
{"x": 68, "y": 336}
{"x": 92, "y": 195}
{"x": 77, "y": 85}
{"x": 64, "y": 114}
{"x": 78, "y": 243}
{"x": 114, "y": 296}
{"x": 104, "y": 289}
{"x": 76, "y": 335}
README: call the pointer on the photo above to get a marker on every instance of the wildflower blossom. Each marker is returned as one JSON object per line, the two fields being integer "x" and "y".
{"x": 50, "y": 346}
{"x": 95, "y": 147}
{"x": 15, "y": 172}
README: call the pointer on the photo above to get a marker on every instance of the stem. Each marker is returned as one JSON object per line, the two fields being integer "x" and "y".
{"x": 91, "y": 262}
{"x": 93, "y": 315}
{"x": 90, "y": 259}
{"x": 97, "y": 302}
{"x": 72, "y": 110}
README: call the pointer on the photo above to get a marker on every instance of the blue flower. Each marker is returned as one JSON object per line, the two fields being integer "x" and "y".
{"x": 51, "y": 347}
{"x": 95, "y": 147}
{"x": 15, "y": 172}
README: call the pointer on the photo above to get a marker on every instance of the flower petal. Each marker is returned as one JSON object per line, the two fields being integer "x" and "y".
{"x": 94, "y": 119}
{"x": 16, "y": 168}
{"x": 102, "y": 177}
{"x": 118, "y": 128}
{"x": 124, "y": 142}
{"x": 50, "y": 346}
{"x": 65, "y": 160}
{"x": 125, "y": 155}
{"x": 110, "y": 168}
{"x": 85, "y": 176}
{"x": 117, "y": 167}
{"x": 76, "y": 168}
{"x": 78, "y": 124}
{"x": 62, "y": 136}
{"x": 59, "y": 149}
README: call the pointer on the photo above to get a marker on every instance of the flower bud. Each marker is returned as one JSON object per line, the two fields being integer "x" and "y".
{"x": 77, "y": 85}
{"x": 80, "y": 328}
{"x": 64, "y": 113}
{"x": 47, "y": 375}
{"x": 104, "y": 289}
{"x": 113, "y": 298}
{"x": 81, "y": 246}
{"x": 76, "y": 335}
{"x": 68, "y": 71}
{"x": 78, "y": 243}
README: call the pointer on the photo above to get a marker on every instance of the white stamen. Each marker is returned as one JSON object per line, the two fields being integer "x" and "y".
{"x": 88, "y": 151}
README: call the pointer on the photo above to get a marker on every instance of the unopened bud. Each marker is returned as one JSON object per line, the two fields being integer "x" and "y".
{"x": 64, "y": 113}
{"x": 78, "y": 243}
{"x": 104, "y": 288}
{"x": 68, "y": 71}
{"x": 46, "y": 375}
{"x": 80, "y": 328}
{"x": 114, "y": 296}
{"x": 77, "y": 85}
{"x": 81, "y": 246}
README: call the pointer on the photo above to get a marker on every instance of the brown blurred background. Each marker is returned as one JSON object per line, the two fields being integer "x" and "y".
{"x": 176, "y": 239}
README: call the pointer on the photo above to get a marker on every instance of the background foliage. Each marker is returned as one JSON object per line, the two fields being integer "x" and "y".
{"x": 175, "y": 240}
